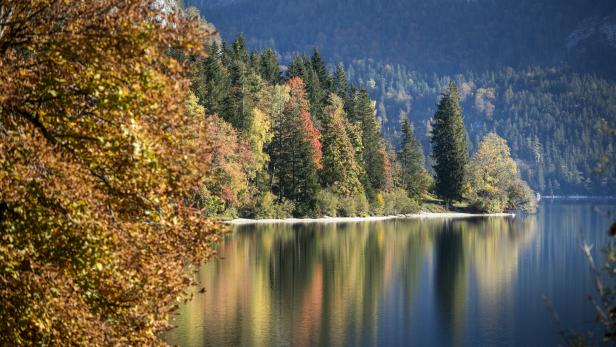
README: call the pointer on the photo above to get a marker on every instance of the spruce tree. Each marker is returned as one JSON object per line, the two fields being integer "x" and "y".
{"x": 340, "y": 86}
{"x": 374, "y": 153}
{"x": 239, "y": 51}
{"x": 414, "y": 176}
{"x": 449, "y": 146}
{"x": 298, "y": 67}
{"x": 296, "y": 155}
{"x": 255, "y": 62}
{"x": 318, "y": 65}
{"x": 270, "y": 69}
{"x": 237, "y": 108}
{"x": 303, "y": 68}
{"x": 211, "y": 81}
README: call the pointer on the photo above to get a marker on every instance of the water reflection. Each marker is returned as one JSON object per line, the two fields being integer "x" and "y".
{"x": 339, "y": 284}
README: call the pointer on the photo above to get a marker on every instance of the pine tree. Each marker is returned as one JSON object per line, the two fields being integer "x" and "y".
{"x": 340, "y": 169}
{"x": 298, "y": 68}
{"x": 239, "y": 51}
{"x": 318, "y": 65}
{"x": 270, "y": 69}
{"x": 296, "y": 152}
{"x": 449, "y": 146}
{"x": 303, "y": 68}
{"x": 374, "y": 155}
{"x": 211, "y": 81}
{"x": 414, "y": 176}
{"x": 340, "y": 86}
{"x": 254, "y": 62}
{"x": 237, "y": 100}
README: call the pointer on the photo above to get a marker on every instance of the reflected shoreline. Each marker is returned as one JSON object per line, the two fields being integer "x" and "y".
{"x": 403, "y": 281}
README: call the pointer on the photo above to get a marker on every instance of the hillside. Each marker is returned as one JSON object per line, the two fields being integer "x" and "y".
{"x": 442, "y": 36}
{"x": 550, "y": 117}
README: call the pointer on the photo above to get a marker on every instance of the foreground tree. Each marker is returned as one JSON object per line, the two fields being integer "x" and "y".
{"x": 494, "y": 183}
{"x": 414, "y": 177}
{"x": 99, "y": 164}
{"x": 449, "y": 146}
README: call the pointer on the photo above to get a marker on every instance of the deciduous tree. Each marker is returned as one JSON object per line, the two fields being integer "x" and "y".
{"x": 99, "y": 162}
{"x": 340, "y": 169}
{"x": 494, "y": 183}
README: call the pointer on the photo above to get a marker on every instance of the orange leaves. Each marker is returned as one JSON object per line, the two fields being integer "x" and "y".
{"x": 312, "y": 137}
{"x": 301, "y": 104}
{"x": 99, "y": 162}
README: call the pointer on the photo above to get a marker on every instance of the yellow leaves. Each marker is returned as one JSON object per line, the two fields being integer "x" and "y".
{"x": 491, "y": 174}
{"x": 79, "y": 208}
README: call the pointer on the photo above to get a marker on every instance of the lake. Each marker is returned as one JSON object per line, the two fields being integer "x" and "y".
{"x": 411, "y": 282}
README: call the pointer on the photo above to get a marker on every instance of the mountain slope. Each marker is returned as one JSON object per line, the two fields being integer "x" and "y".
{"x": 443, "y": 36}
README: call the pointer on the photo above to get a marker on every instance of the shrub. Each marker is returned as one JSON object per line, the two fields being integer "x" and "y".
{"x": 521, "y": 197}
{"x": 362, "y": 207}
{"x": 269, "y": 207}
{"x": 327, "y": 203}
{"x": 354, "y": 206}
{"x": 347, "y": 207}
{"x": 489, "y": 201}
{"x": 398, "y": 202}
{"x": 378, "y": 204}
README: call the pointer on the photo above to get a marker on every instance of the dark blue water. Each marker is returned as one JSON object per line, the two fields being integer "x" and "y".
{"x": 463, "y": 282}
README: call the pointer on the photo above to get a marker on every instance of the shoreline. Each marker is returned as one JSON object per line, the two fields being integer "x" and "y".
{"x": 422, "y": 215}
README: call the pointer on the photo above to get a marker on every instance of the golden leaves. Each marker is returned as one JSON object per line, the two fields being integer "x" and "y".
{"x": 98, "y": 163}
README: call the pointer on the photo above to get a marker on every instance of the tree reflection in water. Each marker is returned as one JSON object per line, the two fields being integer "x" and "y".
{"x": 338, "y": 284}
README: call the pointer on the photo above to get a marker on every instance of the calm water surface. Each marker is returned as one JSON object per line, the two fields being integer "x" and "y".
{"x": 464, "y": 282}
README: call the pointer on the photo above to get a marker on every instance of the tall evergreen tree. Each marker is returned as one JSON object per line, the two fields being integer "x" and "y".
{"x": 449, "y": 146}
{"x": 296, "y": 155}
{"x": 298, "y": 68}
{"x": 318, "y": 65}
{"x": 236, "y": 102}
{"x": 211, "y": 81}
{"x": 340, "y": 169}
{"x": 340, "y": 83}
{"x": 413, "y": 174}
{"x": 254, "y": 62}
{"x": 270, "y": 69}
{"x": 303, "y": 68}
{"x": 239, "y": 51}
{"x": 375, "y": 158}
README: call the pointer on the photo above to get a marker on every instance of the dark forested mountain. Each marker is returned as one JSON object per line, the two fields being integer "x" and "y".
{"x": 445, "y": 36}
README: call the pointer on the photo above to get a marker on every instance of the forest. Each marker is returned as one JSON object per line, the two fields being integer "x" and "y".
{"x": 128, "y": 130}
{"x": 305, "y": 142}
{"x": 442, "y": 36}
{"x": 551, "y": 117}
{"x": 543, "y": 82}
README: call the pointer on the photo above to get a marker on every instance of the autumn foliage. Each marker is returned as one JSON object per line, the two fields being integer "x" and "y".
{"x": 99, "y": 164}
{"x": 299, "y": 103}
